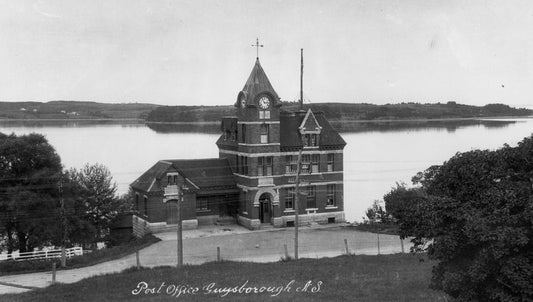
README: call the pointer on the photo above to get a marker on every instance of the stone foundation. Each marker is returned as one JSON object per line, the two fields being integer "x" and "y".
{"x": 306, "y": 219}
{"x": 252, "y": 224}
{"x": 142, "y": 227}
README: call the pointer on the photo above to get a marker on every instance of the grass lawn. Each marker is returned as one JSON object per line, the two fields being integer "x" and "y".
{"x": 399, "y": 277}
{"x": 99, "y": 256}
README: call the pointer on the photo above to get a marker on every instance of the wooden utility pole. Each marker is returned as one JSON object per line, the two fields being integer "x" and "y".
{"x": 64, "y": 225}
{"x": 180, "y": 232}
{"x": 296, "y": 207}
{"x": 298, "y": 169}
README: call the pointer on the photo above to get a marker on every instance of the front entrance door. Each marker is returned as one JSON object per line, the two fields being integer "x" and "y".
{"x": 172, "y": 212}
{"x": 264, "y": 208}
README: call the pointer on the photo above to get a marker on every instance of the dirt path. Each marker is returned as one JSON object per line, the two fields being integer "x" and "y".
{"x": 235, "y": 242}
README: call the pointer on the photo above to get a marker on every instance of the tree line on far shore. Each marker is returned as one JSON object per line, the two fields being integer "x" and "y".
{"x": 474, "y": 215}
{"x": 346, "y": 111}
{"x": 41, "y": 204}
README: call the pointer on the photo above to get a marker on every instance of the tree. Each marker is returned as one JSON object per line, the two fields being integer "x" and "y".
{"x": 476, "y": 212}
{"x": 97, "y": 191}
{"x": 377, "y": 214}
{"x": 29, "y": 172}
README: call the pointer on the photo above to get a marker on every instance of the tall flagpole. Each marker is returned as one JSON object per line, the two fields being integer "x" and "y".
{"x": 302, "y": 79}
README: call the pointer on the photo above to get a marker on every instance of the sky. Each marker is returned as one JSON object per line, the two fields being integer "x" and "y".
{"x": 175, "y": 52}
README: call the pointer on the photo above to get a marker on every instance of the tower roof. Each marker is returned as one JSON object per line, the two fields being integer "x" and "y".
{"x": 256, "y": 84}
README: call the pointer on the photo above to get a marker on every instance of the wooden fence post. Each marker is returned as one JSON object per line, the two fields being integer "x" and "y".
{"x": 379, "y": 250}
{"x": 53, "y": 272}
{"x": 218, "y": 253}
{"x": 346, "y": 246}
{"x": 63, "y": 257}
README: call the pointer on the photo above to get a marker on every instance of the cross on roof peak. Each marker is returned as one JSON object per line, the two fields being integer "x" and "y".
{"x": 257, "y": 45}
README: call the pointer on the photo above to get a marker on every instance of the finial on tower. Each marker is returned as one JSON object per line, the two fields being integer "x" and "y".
{"x": 257, "y": 45}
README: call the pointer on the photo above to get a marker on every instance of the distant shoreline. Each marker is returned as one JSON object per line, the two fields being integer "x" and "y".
{"x": 138, "y": 120}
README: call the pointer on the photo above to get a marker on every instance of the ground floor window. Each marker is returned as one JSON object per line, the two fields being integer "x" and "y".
{"x": 331, "y": 195}
{"x": 289, "y": 198}
{"x": 201, "y": 204}
{"x": 311, "y": 197}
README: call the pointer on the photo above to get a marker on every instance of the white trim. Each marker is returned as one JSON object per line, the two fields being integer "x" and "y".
{"x": 287, "y": 175}
{"x": 340, "y": 182}
{"x": 258, "y": 123}
{"x": 331, "y": 207}
{"x": 309, "y": 112}
{"x": 278, "y": 153}
{"x": 192, "y": 183}
{"x": 151, "y": 185}
{"x": 256, "y": 145}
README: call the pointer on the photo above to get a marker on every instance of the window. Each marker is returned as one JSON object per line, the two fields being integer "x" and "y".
{"x": 264, "y": 133}
{"x": 201, "y": 204}
{"x": 137, "y": 202}
{"x": 310, "y": 140}
{"x": 291, "y": 164}
{"x": 175, "y": 179}
{"x": 243, "y": 137}
{"x": 227, "y": 135}
{"x": 315, "y": 162}
{"x": 311, "y": 197}
{"x": 331, "y": 160}
{"x": 306, "y": 164}
{"x": 145, "y": 206}
{"x": 289, "y": 198}
{"x": 169, "y": 179}
{"x": 264, "y": 166}
{"x": 264, "y": 114}
{"x": 331, "y": 195}
{"x": 244, "y": 163}
{"x": 234, "y": 135}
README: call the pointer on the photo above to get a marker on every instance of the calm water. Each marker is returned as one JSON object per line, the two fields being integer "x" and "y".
{"x": 376, "y": 157}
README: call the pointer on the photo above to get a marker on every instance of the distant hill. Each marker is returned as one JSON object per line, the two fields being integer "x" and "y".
{"x": 73, "y": 110}
{"x": 187, "y": 114}
{"x": 347, "y": 112}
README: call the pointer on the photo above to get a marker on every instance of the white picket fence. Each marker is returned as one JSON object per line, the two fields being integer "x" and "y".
{"x": 47, "y": 254}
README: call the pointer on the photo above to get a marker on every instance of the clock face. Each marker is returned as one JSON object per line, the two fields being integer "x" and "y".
{"x": 264, "y": 102}
{"x": 243, "y": 102}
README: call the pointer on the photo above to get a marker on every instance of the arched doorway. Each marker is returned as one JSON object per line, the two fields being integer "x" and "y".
{"x": 265, "y": 211}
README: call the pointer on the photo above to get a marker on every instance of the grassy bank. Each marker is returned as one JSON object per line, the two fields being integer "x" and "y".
{"x": 400, "y": 277}
{"x": 99, "y": 256}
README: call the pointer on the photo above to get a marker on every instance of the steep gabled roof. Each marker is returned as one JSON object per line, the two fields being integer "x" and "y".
{"x": 290, "y": 139}
{"x": 146, "y": 180}
{"x": 256, "y": 84}
{"x": 205, "y": 174}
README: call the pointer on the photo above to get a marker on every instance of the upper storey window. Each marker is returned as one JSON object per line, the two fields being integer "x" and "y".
{"x": 310, "y": 130}
{"x": 310, "y": 140}
{"x": 265, "y": 129}
{"x": 264, "y": 114}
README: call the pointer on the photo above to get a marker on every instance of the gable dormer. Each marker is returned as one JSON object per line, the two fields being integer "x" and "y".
{"x": 310, "y": 130}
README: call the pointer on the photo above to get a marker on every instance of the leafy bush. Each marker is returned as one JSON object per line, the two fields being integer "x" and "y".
{"x": 474, "y": 214}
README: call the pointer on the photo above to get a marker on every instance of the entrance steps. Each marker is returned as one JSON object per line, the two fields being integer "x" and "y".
{"x": 266, "y": 226}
